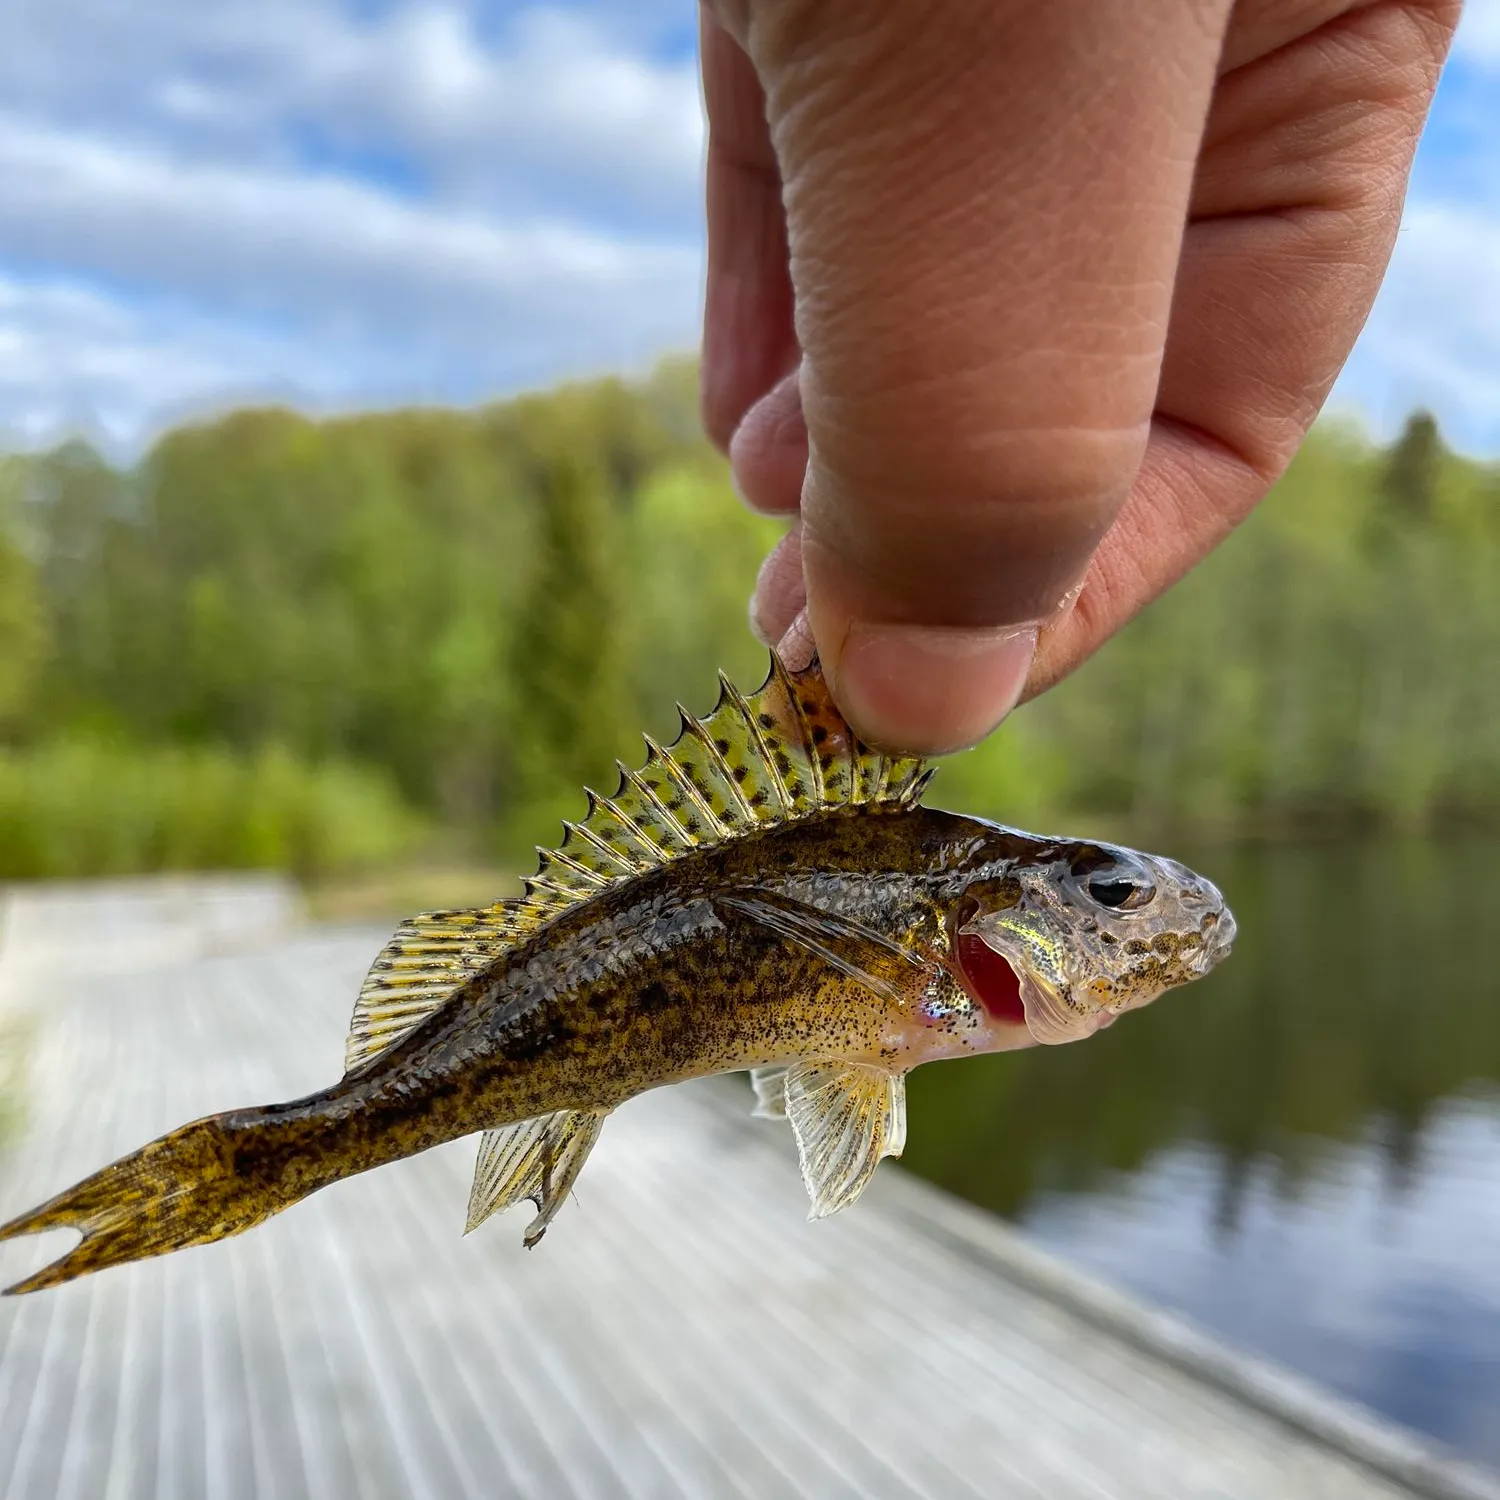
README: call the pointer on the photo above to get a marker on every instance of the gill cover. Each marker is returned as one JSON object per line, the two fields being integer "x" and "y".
{"x": 1028, "y": 942}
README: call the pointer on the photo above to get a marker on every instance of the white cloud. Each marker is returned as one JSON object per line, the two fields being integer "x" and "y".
{"x": 558, "y": 99}
{"x": 556, "y": 92}
{"x": 73, "y": 360}
{"x": 325, "y": 248}
{"x": 295, "y": 197}
{"x": 1478, "y": 38}
{"x": 1433, "y": 338}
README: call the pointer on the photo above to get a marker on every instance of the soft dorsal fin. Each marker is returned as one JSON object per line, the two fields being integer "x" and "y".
{"x": 429, "y": 957}
{"x": 778, "y": 756}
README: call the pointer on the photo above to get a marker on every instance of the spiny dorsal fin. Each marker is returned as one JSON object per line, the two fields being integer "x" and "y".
{"x": 783, "y": 754}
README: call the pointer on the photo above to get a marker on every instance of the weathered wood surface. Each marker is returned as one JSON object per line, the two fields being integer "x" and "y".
{"x": 681, "y": 1332}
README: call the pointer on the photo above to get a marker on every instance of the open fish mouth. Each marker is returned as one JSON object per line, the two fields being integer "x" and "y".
{"x": 1010, "y": 992}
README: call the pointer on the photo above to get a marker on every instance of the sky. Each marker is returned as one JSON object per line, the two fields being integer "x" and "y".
{"x": 342, "y": 204}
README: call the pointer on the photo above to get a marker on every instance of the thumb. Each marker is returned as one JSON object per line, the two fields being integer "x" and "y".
{"x": 985, "y": 202}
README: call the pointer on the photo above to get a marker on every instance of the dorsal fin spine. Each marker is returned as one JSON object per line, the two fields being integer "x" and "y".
{"x": 700, "y": 732}
{"x": 874, "y": 784}
{"x": 558, "y": 856}
{"x": 539, "y": 885}
{"x": 628, "y": 823}
{"x": 804, "y": 730}
{"x": 747, "y": 716}
{"x": 643, "y": 788}
{"x": 684, "y": 784}
{"x": 619, "y": 858}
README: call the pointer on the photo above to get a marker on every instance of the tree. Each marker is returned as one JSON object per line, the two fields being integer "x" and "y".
{"x": 23, "y": 635}
{"x": 1412, "y": 467}
{"x": 568, "y": 669}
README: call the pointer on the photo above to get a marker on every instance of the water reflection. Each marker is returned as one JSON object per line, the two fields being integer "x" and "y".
{"x": 1303, "y": 1150}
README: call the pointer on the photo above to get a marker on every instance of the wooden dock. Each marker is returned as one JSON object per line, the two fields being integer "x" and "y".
{"x": 682, "y": 1332}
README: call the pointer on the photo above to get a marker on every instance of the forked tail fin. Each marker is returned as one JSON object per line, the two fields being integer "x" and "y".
{"x": 206, "y": 1181}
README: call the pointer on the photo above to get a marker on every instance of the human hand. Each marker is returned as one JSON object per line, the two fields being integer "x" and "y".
{"x": 1020, "y": 308}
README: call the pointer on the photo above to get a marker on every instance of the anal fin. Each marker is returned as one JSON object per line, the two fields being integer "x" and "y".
{"x": 539, "y": 1159}
{"x": 846, "y": 1117}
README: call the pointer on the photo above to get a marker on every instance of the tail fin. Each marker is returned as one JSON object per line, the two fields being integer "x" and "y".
{"x": 190, "y": 1187}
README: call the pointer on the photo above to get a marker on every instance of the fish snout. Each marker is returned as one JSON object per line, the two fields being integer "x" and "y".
{"x": 1219, "y": 931}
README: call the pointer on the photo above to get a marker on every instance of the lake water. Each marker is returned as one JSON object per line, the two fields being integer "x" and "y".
{"x": 1301, "y": 1152}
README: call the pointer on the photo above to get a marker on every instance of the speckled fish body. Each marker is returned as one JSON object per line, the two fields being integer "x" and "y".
{"x": 768, "y": 895}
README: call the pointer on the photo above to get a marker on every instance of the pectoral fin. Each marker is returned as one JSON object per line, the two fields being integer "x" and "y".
{"x": 538, "y": 1159}
{"x": 868, "y": 957}
{"x": 846, "y": 1117}
{"x": 770, "y": 1093}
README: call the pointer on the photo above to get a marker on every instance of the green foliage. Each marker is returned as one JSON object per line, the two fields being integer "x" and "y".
{"x": 1328, "y": 668}
{"x": 568, "y": 668}
{"x": 71, "y": 807}
{"x": 693, "y": 550}
{"x": 1413, "y": 468}
{"x": 23, "y": 633}
{"x": 488, "y": 606}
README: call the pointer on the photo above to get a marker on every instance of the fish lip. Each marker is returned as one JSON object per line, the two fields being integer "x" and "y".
{"x": 1218, "y": 941}
{"x": 1225, "y": 933}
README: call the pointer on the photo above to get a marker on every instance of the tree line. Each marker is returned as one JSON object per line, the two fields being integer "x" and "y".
{"x": 473, "y": 613}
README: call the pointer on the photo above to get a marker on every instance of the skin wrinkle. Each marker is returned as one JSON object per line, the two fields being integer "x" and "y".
{"x": 1255, "y": 33}
{"x": 1328, "y": 154}
{"x": 1038, "y": 337}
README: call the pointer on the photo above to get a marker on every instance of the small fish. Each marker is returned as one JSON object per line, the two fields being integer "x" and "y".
{"x": 766, "y": 895}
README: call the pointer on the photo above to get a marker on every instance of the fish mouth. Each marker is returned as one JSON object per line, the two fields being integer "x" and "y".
{"x": 1012, "y": 993}
{"x": 993, "y": 978}
{"x": 1225, "y": 933}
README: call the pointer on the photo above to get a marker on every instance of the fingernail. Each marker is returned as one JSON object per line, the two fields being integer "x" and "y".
{"x": 930, "y": 689}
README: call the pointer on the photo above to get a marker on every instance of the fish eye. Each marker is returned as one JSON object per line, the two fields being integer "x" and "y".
{"x": 1113, "y": 889}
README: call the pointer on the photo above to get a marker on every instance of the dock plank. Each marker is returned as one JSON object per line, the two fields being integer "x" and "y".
{"x": 682, "y": 1332}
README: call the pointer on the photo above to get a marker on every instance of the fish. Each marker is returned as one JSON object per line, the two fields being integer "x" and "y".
{"x": 768, "y": 894}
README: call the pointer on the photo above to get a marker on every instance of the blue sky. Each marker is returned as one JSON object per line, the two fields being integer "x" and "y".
{"x": 346, "y": 203}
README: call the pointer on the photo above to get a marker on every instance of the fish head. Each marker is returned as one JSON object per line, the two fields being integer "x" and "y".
{"x": 1071, "y": 940}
